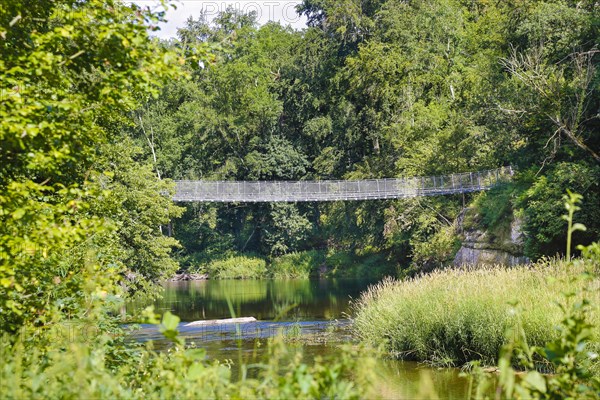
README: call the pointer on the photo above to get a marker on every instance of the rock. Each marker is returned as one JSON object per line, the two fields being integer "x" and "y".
{"x": 491, "y": 370}
{"x": 188, "y": 277}
{"x": 478, "y": 256}
{"x": 480, "y": 247}
{"x": 222, "y": 321}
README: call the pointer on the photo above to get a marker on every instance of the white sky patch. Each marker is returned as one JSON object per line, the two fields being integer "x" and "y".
{"x": 282, "y": 11}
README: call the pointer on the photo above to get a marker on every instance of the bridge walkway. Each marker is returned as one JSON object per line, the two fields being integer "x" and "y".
{"x": 338, "y": 190}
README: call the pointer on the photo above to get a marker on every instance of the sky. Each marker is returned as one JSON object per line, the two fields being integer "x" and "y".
{"x": 283, "y": 11}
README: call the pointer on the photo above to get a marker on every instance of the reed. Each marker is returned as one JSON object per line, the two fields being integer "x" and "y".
{"x": 450, "y": 317}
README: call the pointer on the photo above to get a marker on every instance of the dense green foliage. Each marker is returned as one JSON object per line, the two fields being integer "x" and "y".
{"x": 96, "y": 117}
{"x": 71, "y": 368}
{"x": 384, "y": 89}
{"x": 297, "y": 265}
{"x": 77, "y": 211}
{"x": 239, "y": 267}
{"x": 83, "y": 217}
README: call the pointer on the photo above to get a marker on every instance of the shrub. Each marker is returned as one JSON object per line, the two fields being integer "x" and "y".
{"x": 494, "y": 207}
{"x": 542, "y": 206}
{"x": 437, "y": 251}
{"x": 349, "y": 265}
{"x": 238, "y": 267}
{"x": 455, "y": 316}
{"x": 296, "y": 265}
{"x": 76, "y": 369}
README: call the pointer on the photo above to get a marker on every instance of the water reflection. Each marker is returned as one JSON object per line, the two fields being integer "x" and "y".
{"x": 409, "y": 380}
{"x": 263, "y": 299}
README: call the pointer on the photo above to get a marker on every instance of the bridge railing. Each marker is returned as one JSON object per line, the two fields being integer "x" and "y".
{"x": 333, "y": 190}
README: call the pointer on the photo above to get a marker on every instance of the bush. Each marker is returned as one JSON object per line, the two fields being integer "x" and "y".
{"x": 543, "y": 206}
{"x": 438, "y": 251}
{"x": 349, "y": 265}
{"x": 76, "y": 369}
{"x": 493, "y": 210}
{"x": 454, "y": 316}
{"x": 296, "y": 265}
{"x": 237, "y": 267}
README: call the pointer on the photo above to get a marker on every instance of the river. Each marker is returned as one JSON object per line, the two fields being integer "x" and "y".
{"x": 297, "y": 308}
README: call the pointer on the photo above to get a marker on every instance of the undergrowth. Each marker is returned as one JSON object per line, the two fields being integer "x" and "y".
{"x": 296, "y": 265}
{"x": 344, "y": 264}
{"x": 237, "y": 267}
{"x": 493, "y": 208}
{"x": 100, "y": 368}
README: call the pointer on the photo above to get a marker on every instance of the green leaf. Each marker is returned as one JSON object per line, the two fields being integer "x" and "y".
{"x": 536, "y": 380}
{"x": 195, "y": 371}
{"x": 169, "y": 325}
{"x": 196, "y": 354}
{"x": 18, "y": 213}
{"x": 578, "y": 227}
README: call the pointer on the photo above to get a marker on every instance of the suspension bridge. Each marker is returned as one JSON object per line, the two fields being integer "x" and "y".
{"x": 338, "y": 190}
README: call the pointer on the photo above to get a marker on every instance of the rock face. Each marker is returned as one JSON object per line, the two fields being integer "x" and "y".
{"x": 481, "y": 247}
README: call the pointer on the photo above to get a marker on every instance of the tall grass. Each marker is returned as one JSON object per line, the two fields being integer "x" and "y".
{"x": 238, "y": 267}
{"x": 454, "y": 316}
{"x": 297, "y": 265}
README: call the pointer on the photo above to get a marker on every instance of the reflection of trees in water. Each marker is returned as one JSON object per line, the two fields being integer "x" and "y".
{"x": 285, "y": 310}
{"x": 262, "y": 299}
{"x": 237, "y": 291}
{"x": 405, "y": 380}
{"x": 211, "y": 298}
{"x": 292, "y": 291}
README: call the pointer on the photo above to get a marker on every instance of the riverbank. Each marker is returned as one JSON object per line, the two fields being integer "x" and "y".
{"x": 296, "y": 265}
{"x": 455, "y": 316}
{"x": 310, "y": 316}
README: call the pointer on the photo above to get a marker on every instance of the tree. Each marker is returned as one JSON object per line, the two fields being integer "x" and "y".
{"x": 61, "y": 64}
{"x": 136, "y": 204}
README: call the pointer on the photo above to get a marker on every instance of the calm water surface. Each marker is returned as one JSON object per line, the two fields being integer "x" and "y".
{"x": 266, "y": 300}
{"x": 308, "y": 306}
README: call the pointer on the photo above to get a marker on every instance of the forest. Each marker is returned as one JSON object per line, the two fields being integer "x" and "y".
{"x": 376, "y": 90}
{"x": 98, "y": 117}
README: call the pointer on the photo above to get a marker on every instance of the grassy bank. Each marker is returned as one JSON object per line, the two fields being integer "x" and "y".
{"x": 454, "y": 316}
{"x": 296, "y": 265}
{"x": 345, "y": 264}
{"x": 237, "y": 267}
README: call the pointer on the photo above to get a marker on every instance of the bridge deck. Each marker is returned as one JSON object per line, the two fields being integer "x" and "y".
{"x": 335, "y": 190}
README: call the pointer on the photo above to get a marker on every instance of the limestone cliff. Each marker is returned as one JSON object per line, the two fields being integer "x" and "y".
{"x": 503, "y": 245}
